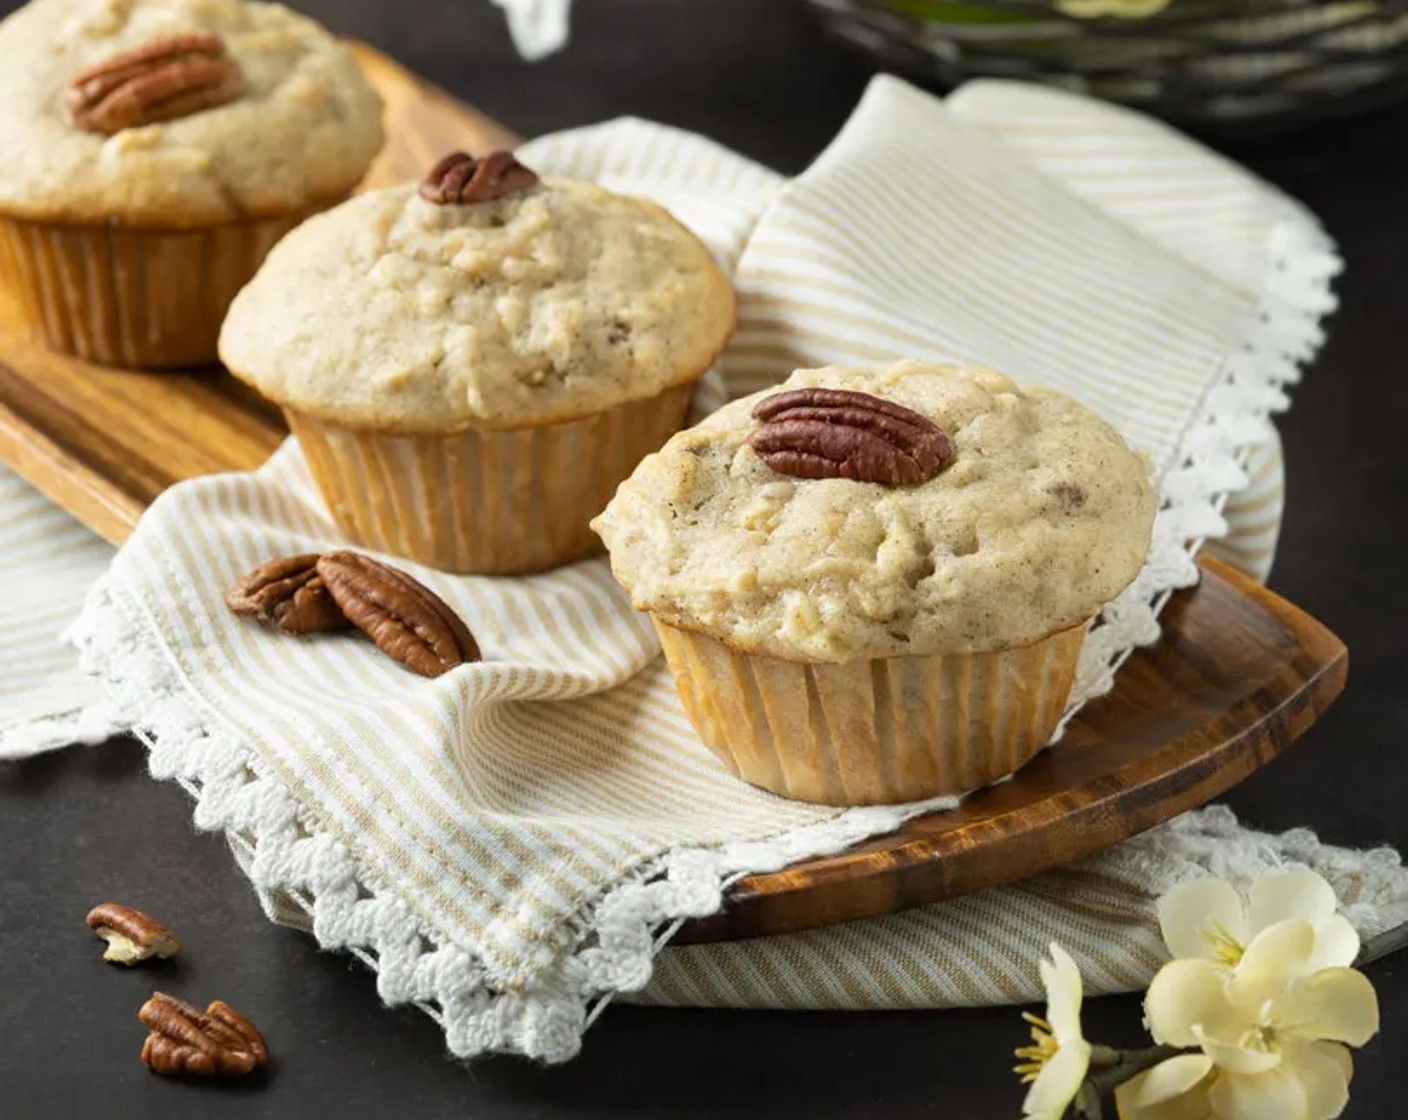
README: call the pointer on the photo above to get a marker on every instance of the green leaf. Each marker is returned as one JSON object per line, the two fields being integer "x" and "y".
{"x": 942, "y": 11}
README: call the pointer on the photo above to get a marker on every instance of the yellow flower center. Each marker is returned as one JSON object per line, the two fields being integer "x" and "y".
{"x": 1042, "y": 1050}
{"x": 1226, "y": 948}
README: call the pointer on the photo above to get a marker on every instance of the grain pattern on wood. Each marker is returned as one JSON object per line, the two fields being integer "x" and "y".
{"x": 103, "y": 443}
{"x": 1238, "y": 675}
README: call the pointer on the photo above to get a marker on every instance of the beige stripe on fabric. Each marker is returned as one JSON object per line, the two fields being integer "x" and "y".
{"x": 47, "y": 561}
{"x": 1254, "y": 515}
{"x": 983, "y": 949}
{"x": 1026, "y": 278}
{"x": 1166, "y": 186}
{"x": 571, "y": 793}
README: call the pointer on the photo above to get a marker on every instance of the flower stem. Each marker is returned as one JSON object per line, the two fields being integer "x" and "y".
{"x": 1126, "y": 1064}
{"x": 1390, "y": 941}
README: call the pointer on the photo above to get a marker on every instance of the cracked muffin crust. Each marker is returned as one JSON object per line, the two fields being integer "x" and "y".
{"x": 559, "y": 300}
{"x": 297, "y": 130}
{"x": 1043, "y": 516}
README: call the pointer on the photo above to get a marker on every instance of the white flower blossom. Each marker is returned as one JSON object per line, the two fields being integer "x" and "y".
{"x": 1059, "y": 1057}
{"x": 1206, "y": 919}
{"x": 1265, "y": 996}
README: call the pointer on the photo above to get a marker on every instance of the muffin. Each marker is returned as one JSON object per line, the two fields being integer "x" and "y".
{"x": 872, "y": 585}
{"x": 151, "y": 153}
{"x": 472, "y": 366}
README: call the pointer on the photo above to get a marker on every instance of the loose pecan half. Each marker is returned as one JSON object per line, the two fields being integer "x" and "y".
{"x": 216, "y": 1042}
{"x": 289, "y": 595}
{"x": 132, "y": 936}
{"x": 837, "y": 433}
{"x": 459, "y": 178}
{"x": 408, "y": 621}
{"x": 160, "y": 81}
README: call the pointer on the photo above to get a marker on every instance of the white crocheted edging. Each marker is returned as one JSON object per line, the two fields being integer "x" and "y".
{"x": 299, "y": 868}
{"x": 1211, "y": 463}
{"x": 1371, "y": 884}
{"x": 87, "y": 727}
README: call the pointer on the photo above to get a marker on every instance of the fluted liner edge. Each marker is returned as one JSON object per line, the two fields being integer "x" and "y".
{"x": 485, "y": 501}
{"x": 873, "y": 731}
{"x": 125, "y": 297}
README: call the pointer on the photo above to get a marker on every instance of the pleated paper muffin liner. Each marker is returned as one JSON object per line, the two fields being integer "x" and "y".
{"x": 131, "y": 297}
{"x": 485, "y": 501}
{"x": 873, "y": 731}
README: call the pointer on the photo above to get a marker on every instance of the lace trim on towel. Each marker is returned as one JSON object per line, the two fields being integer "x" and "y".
{"x": 305, "y": 877}
{"x": 297, "y": 867}
{"x": 1212, "y": 458}
{"x": 87, "y": 726}
{"x": 1372, "y": 885}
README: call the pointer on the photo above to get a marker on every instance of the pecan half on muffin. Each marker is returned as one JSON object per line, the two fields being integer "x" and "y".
{"x": 872, "y": 585}
{"x": 473, "y": 364}
{"x": 151, "y": 153}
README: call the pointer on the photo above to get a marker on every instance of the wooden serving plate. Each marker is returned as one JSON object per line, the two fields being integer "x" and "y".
{"x": 1237, "y": 676}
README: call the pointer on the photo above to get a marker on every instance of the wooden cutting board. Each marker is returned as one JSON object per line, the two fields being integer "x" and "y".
{"x": 1238, "y": 675}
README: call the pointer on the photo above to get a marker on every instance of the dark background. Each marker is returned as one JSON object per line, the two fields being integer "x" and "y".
{"x": 86, "y": 825}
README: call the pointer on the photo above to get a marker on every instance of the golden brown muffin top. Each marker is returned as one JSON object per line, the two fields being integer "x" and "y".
{"x": 272, "y": 114}
{"x": 1040, "y": 518}
{"x": 396, "y": 313}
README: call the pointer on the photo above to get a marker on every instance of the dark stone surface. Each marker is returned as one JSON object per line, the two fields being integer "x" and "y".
{"x": 87, "y": 825}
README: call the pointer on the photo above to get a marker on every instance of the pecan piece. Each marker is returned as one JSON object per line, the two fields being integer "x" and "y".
{"x": 289, "y": 595}
{"x": 132, "y": 936}
{"x": 837, "y": 433}
{"x": 216, "y": 1042}
{"x": 408, "y": 621}
{"x": 163, "y": 80}
{"x": 459, "y": 178}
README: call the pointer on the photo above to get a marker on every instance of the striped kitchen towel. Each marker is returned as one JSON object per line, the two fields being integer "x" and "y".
{"x": 47, "y": 563}
{"x": 510, "y": 842}
{"x": 979, "y": 950}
